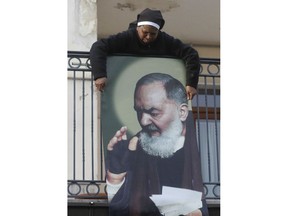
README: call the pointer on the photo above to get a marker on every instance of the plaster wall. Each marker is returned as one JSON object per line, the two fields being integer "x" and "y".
{"x": 82, "y": 24}
{"x": 89, "y": 19}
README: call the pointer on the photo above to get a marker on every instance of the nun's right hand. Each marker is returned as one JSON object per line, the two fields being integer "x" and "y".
{"x": 100, "y": 83}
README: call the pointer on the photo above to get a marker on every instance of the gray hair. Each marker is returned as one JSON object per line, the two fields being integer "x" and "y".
{"x": 173, "y": 87}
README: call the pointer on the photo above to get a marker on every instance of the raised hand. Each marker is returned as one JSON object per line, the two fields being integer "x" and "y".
{"x": 121, "y": 154}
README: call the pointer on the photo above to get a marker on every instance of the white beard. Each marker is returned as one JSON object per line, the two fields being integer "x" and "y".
{"x": 164, "y": 145}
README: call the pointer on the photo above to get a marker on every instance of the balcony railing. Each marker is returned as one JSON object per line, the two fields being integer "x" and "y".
{"x": 86, "y": 167}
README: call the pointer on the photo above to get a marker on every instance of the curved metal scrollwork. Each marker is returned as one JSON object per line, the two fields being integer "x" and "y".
{"x": 92, "y": 188}
{"x": 216, "y": 194}
{"x": 211, "y": 69}
{"x": 72, "y": 186}
{"x": 74, "y": 64}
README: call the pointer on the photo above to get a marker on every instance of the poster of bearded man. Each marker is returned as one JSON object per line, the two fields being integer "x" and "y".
{"x": 152, "y": 160}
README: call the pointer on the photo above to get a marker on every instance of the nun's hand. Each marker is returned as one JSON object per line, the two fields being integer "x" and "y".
{"x": 191, "y": 92}
{"x": 100, "y": 83}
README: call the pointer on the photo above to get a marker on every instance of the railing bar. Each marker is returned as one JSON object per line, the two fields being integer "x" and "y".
{"x": 83, "y": 126}
{"x": 101, "y": 144}
{"x": 207, "y": 128}
{"x": 86, "y": 54}
{"x": 198, "y": 123}
{"x": 74, "y": 126}
{"x": 78, "y": 54}
{"x": 92, "y": 128}
{"x": 216, "y": 129}
{"x": 78, "y": 69}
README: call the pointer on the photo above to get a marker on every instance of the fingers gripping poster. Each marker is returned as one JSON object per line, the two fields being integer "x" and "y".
{"x": 151, "y": 156}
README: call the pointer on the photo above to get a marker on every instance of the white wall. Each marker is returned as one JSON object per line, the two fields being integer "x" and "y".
{"x": 82, "y": 24}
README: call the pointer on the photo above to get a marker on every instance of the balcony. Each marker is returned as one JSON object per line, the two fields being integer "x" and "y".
{"x": 86, "y": 169}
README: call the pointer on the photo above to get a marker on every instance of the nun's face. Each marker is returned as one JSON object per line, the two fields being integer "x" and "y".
{"x": 147, "y": 34}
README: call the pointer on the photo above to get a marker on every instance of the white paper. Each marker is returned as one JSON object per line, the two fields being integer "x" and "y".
{"x": 176, "y": 201}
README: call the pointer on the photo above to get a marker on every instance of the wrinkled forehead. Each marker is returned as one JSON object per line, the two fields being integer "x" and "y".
{"x": 151, "y": 90}
{"x": 153, "y": 94}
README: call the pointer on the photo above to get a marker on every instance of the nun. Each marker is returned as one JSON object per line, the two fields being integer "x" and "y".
{"x": 145, "y": 37}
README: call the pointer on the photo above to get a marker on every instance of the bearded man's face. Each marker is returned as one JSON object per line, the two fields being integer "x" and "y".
{"x": 159, "y": 118}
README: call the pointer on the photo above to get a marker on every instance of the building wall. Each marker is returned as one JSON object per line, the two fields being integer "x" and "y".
{"x": 82, "y": 24}
{"x": 83, "y": 19}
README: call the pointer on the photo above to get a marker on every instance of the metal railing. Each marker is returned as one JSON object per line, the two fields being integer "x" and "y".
{"x": 86, "y": 171}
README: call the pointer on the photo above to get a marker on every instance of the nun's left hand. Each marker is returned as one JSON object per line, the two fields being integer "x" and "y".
{"x": 191, "y": 92}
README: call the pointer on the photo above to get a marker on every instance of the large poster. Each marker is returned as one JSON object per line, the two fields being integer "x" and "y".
{"x": 152, "y": 160}
{"x": 117, "y": 100}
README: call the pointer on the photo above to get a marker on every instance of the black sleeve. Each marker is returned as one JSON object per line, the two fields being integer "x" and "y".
{"x": 190, "y": 57}
{"x": 102, "y": 48}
